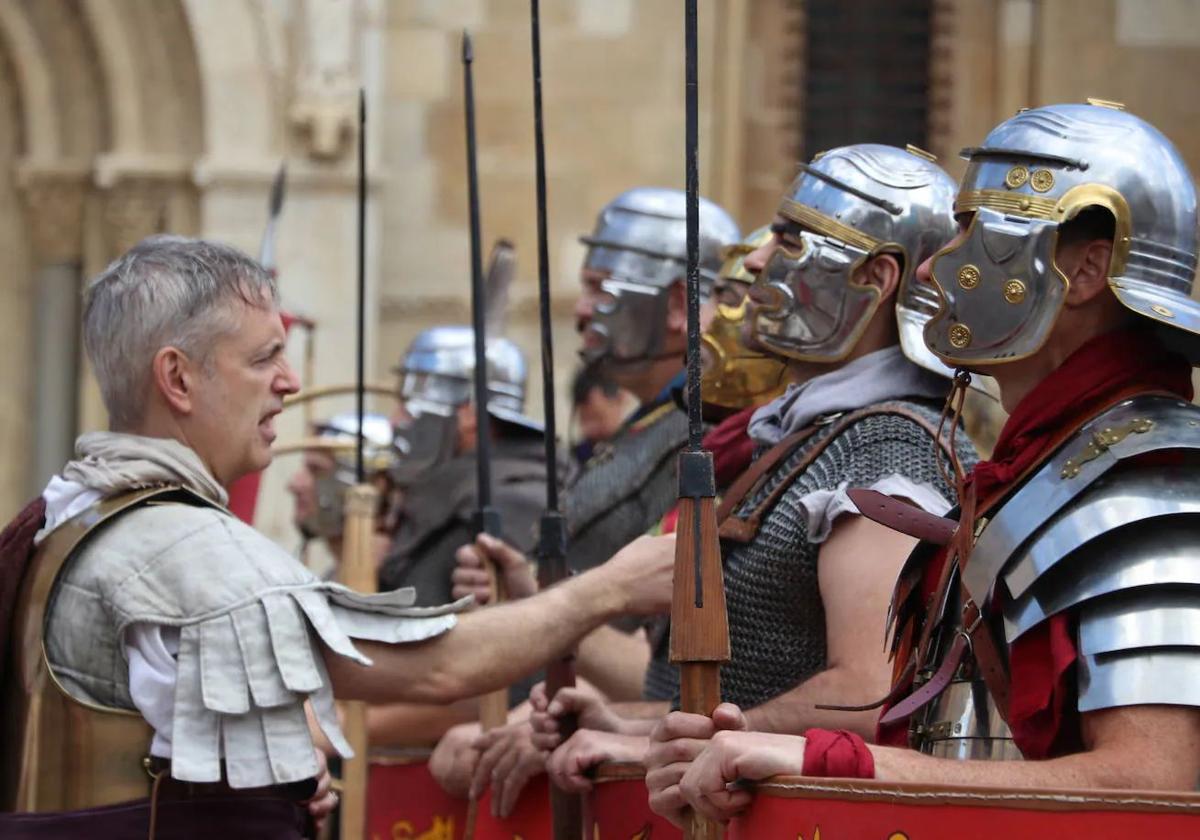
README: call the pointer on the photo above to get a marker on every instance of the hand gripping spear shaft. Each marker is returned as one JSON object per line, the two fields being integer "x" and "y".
{"x": 552, "y": 543}
{"x": 699, "y": 625}
{"x": 493, "y": 707}
{"x": 362, "y": 503}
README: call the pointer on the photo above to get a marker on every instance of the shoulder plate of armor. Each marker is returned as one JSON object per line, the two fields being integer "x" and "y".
{"x": 1115, "y": 546}
{"x": 1044, "y": 506}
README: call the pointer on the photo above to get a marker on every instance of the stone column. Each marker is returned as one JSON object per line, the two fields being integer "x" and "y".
{"x": 54, "y": 209}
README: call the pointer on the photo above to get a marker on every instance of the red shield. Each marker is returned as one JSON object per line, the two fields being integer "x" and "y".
{"x": 530, "y": 820}
{"x": 619, "y": 808}
{"x": 405, "y": 802}
{"x": 806, "y": 809}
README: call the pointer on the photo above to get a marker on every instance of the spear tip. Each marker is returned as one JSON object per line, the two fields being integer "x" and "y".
{"x": 278, "y": 188}
{"x": 468, "y": 53}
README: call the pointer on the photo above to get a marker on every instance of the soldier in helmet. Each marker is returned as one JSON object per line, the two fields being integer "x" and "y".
{"x": 804, "y": 573}
{"x": 632, "y": 321}
{"x": 631, "y": 316}
{"x": 319, "y": 485}
{"x": 1053, "y": 621}
{"x": 436, "y": 427}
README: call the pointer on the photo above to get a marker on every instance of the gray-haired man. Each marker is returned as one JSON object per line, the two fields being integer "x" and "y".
{"x": 177, "y": 633}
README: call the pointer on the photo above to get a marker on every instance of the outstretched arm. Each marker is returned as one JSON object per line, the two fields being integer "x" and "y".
{"x": 493, "y": 647}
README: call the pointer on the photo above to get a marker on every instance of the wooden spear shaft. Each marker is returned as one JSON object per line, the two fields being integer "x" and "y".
{"x": 566, "y": 808}
{"x": 493, "y": 707}
{"x": 361, "y": 506}
{"x": 358, "y": 573}
{"x": 699, "y": 625}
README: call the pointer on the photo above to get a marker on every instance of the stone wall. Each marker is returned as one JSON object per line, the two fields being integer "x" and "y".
{"x": 613, "y": 104}
{"x": 124, "y": 118}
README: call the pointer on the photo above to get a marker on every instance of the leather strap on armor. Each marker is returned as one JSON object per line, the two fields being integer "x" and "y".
{"x": 977, "y": 635}
{"x": 743, "y": 529}
{"x": 43, "y": 767}
{"x": 903, "y": 517}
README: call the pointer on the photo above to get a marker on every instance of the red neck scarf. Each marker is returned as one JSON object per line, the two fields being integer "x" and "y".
{"x": 732, "y": 450}
{"x": 1091, "y": 378}
{"x": 1042, "y": 713}
{"x": 731, "y": 447}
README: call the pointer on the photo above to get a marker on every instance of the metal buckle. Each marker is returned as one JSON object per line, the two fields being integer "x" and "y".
{"x": 966, "y": 632}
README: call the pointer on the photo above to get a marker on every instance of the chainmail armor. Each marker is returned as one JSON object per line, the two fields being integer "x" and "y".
{"x": 625, "y": 489}
{"x": 776, "y": 618}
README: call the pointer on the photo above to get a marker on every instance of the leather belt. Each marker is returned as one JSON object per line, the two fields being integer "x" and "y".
{"x": 171, "y": 788}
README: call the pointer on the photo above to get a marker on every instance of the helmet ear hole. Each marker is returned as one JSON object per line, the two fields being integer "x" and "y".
{"x": 1091, "y": 222}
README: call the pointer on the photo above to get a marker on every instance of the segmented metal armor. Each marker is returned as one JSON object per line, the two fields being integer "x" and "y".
{"x": 1114, "y": 540}
{"x": 1094, "y": 533}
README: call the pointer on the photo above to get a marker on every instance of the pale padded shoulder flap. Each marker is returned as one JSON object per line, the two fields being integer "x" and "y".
{"x": 248, "y": 657}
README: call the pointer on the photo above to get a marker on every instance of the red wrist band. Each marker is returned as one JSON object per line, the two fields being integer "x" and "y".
{"x": 837, "y": 753}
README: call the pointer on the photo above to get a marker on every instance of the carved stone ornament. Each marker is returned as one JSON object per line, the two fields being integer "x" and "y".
{"x": 325, "y": 107}
{"x": 54, "y": 211}
{"x": 135, "y": 208}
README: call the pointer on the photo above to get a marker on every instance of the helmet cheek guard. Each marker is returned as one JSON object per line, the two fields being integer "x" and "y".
{"x": 809, "y": 307}
{"x": 734, "y": 376}
{"x": 639, "y": 245}
{"x": 850, "y": 205}
{"x": 1000, "y": 290}
{"x": 626, "y": 322}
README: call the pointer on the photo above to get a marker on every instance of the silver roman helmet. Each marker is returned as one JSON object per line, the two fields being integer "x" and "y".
{"x": 851, "y": 204}
{"x": 437, "y": 369}
{"x": 640, "y": 243}
{"x": 339, "y": 437}
{"x": 1000, "y": 290}
{"x": 436, "y": 378}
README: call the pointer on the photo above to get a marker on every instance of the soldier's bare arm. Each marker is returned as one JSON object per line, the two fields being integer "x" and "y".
{"x": 614, "y": 662}
{"x": 857, "y": 569}
{"x": 1134, "y": 747}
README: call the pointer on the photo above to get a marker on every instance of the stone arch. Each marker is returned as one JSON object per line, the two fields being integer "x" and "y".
{"x": 103, "y": 105}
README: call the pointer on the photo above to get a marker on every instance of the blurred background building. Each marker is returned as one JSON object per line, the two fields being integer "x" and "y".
{"x": 120, "y": 118}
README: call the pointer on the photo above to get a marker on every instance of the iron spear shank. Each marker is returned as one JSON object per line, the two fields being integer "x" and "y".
{"x": 493, "y": 707}
{"x": 487, "y": 518}
{"x": 567, "y": 809}
{"x": 699, "y": 625}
